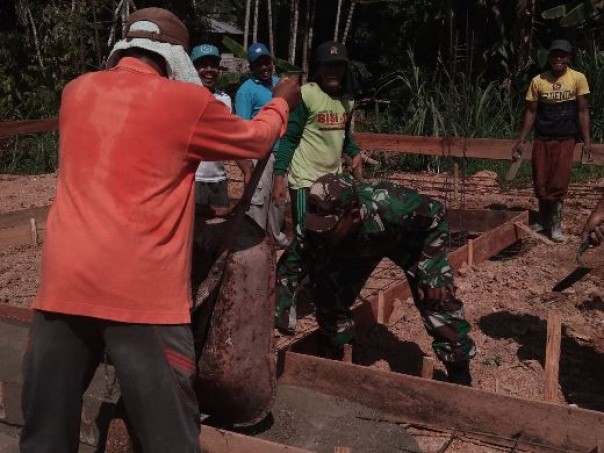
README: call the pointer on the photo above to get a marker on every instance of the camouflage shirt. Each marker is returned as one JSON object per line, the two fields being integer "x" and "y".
{"x": 393, "y": 220}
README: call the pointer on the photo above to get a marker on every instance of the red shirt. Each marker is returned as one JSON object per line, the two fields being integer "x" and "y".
{"x": 118, "y": 242}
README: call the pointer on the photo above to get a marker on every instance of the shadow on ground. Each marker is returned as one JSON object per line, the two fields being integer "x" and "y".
{"x": 581, "y": 366}
{"x": 378, "y": 343}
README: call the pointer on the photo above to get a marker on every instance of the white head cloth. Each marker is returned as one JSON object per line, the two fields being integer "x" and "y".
{"x": 179, "y": 64}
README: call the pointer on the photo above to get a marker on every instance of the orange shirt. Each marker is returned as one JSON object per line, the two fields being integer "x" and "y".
{"x": 118, "y": 242}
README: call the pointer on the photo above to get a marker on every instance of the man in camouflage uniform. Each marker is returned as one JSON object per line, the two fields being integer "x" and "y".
{"x": 349, "y": 228}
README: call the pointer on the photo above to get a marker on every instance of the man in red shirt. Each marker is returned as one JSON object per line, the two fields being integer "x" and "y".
{"x": 116, "y": 261}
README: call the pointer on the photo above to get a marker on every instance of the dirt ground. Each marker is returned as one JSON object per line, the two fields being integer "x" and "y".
{"x": 506, "y": 299}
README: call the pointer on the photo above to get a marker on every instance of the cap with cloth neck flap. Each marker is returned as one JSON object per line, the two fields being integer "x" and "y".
{"x": 203, "y": 51}
{"x": 256, "y": 51}
{"x": 561, "y": 44}
{"x": 329, "y": 197}
{"x": 171, "y": 29}
{"x": 331, "y": 51}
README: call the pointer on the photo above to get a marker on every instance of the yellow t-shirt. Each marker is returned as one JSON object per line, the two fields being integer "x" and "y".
{"x": 547, "y": 88}
{"x": 557, "y": 103}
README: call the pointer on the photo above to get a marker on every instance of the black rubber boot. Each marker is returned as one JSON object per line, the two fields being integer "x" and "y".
{"x": 459, "y": 373}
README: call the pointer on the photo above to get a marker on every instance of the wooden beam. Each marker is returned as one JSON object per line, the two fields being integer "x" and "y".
{"x": 446, "y": 406}
{"x": 215, "y": 440}
{"x": 479, "y": 148}
{"x": 552, "y": 356}
{"x": 8, "y": 128}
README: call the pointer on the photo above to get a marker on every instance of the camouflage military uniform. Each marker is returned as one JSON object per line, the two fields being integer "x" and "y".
{"x": 397, "y": 223}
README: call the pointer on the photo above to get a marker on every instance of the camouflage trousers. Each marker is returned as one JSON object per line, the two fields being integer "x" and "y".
{"x": 338, "y": 282}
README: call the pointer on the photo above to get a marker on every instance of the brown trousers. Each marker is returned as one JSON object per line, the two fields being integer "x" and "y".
{"x": 552, "y": 163}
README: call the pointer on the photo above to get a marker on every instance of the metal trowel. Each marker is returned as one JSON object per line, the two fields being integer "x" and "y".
{"x": 580, "y": 271}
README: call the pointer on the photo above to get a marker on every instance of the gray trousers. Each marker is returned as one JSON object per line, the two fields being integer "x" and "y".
{"x": 263, "y": 211}
{"x": 155, "y": 366}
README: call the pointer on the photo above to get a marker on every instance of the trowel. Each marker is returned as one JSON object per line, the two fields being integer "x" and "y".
{"x": 580, "y": 271}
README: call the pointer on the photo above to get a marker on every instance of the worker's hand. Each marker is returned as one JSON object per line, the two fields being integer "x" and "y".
{"x": 518, "y": 151}
{"x": 434, "y": 296}
{"x": 288, "y": 88}
{"x": 247, "y": 167}
{"x": 357, "y": 162}
{"x": 593, "y": 232}
{"x": 278, "y": 193}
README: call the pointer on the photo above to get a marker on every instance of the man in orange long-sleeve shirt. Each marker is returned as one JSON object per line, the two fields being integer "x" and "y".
{"x": 116, "y": 262}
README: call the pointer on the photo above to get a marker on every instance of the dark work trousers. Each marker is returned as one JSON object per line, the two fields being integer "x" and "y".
{"x": 299, "y": 200}
{"x": 154, "y": 366}
{"x": 212, "y": 193}
{"x": 552, "y": 163}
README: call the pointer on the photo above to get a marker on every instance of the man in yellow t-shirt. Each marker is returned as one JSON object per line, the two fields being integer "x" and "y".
{"x": 557, "y": 108}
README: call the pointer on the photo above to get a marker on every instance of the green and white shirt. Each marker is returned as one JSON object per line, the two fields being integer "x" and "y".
{"x": 317, "y": 133}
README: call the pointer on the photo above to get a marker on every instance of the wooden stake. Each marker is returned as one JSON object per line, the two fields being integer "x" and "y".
{"x": 470, "y": 252}
{"x": 380, "y": 315}
{"x": 34, "y": 231}
{"x": 341, "y": 450}
{"x": 552, "y": 355}
{"x": 455, "y": 182}
{"x": 428, "y": 367}
{"x": 347, "y": 353}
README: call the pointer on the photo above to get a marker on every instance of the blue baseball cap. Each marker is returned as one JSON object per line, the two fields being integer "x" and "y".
{"x": 256, "y": 51}
{"x": 204, "y": 50}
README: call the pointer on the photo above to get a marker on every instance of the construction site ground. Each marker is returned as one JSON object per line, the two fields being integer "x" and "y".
{"x": 506, "y": 299}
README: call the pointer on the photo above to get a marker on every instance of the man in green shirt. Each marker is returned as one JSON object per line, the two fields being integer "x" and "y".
{"x": 318, "y": 131}
{"x": 349, "y": 229}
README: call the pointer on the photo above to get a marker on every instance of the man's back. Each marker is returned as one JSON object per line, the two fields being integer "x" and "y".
{"x": 116, "y": 248}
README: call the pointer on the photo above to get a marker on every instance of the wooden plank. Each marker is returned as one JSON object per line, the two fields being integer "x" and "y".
{"x": 480, "y": 148}
{"x": 447, "y": 406}
{"x": 15, "y": 314}
{"x": 552, "y": 356}
{"x": 478, "y": 220}
{"x": 21, "y": 235}
{"x": 215, "y": 440}
{"x": 8, "y": 128}
{"x": 496, "y": 240}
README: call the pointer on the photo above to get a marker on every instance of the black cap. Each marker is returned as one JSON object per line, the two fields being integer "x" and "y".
{"x": 561, "y": 44}
{"x": 331, "y": 51}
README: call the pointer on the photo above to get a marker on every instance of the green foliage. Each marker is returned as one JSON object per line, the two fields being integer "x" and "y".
{"x": 440, "y": 103}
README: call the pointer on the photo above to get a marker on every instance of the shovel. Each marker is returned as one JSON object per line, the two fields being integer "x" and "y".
{"x": 580, "y": 271}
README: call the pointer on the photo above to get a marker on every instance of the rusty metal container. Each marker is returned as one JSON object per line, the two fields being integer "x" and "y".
{"x": 236, "y": 382}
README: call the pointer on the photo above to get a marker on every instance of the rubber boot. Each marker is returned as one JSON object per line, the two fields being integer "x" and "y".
{"x": 542, "y": 215}
{"x": 556, "y": 225}
{"x": 459, "y": 373}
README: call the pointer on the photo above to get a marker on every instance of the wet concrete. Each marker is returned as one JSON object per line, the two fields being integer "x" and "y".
{"x": 318, "y": 422}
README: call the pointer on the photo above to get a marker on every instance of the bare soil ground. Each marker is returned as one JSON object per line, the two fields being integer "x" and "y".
{"x": 506, "y": 298}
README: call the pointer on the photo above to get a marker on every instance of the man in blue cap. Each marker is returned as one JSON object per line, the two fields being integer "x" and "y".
{"x": 556, "y": 106}
{"x": 251, "y": 96}
{"x": 211, "y": 185}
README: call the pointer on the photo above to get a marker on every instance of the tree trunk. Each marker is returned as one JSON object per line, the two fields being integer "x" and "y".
{"x": 248, "y": 4}
{"x": 271, "y": 38}
{"x": 305, "y": 42}
{"x": 294, "y": 8}
{"x": 311, "y": 27}
{"x": 523, "y": 39}
{"x": 255, "y": 32}
{"x": 336, "y": 29}
{"x": 348, "y": 22}
{"x": 35, "y": 35}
